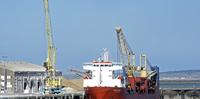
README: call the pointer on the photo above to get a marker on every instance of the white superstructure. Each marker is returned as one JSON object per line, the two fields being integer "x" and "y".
{"x": 103, "y": 73}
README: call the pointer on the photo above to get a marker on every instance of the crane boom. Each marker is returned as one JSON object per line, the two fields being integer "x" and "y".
{"x": 126, "y": 54}
{"x": 81, "y": 73}
{"x": 51, "y": 80}
{"x": 51, "y": 47}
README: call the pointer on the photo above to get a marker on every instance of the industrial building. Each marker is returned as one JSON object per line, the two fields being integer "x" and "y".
{"x": 21, "y": 77}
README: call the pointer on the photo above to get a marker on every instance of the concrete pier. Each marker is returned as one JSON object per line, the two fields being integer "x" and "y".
{"x": 180, "y": 94}
{"x": 188, "y": 89}
{"x": 41, "y": 96}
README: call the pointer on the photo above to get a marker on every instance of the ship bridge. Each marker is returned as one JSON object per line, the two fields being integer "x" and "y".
{"x": 102, "y": 74}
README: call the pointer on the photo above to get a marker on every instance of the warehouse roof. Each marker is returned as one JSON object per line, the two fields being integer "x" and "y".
{"x": 20, "y": 66}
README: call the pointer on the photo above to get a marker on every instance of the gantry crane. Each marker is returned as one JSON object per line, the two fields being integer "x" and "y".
{"x": 51, "y": 81}
{"x": 127, "y": 57}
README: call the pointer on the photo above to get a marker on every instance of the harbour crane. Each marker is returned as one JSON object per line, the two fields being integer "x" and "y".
{"x": 51, "y": 81}
{"x": 127, "y": 56}
{"x": 80, "y": 73}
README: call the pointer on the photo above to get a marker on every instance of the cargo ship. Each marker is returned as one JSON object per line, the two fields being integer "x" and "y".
{"x": 121, "y": 80}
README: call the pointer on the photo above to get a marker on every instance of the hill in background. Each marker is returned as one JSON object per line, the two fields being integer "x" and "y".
{"x": 180, "y": 75}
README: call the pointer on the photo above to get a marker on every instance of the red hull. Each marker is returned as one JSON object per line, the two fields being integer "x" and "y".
{"x": 116, "y": 93}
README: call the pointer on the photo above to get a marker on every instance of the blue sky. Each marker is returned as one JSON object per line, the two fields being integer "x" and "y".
{"x": 166, "y": 30}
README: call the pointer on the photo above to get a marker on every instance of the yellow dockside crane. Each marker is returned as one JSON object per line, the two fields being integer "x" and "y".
{"x": 52, "y": 83}
{"x": 127, "y": 57}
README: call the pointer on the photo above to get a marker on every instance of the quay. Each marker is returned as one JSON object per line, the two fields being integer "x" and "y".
{"x": 180, "y": 89}
{"x": 78, "y": 95}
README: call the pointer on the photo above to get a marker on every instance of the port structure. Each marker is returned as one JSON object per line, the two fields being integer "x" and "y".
{"x": 126, "y": 54}
{"x": 128, "y": 57}
{"x": 142, "y": 78}
{"x": 81, "y": 73}
{"x": 51, "y": 81}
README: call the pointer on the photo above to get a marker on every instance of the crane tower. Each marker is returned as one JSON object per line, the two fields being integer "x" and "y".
{"x": 51, "y": 80}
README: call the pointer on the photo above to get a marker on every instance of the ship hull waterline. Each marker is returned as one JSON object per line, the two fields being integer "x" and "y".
{"x": 116, "y": 93}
